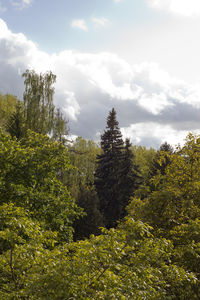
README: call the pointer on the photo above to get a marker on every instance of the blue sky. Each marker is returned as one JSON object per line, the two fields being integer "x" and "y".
{"x": 139, "y": 56}
{"x": 48, "y": 23}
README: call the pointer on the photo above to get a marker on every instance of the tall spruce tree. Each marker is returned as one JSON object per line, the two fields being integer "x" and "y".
{"x": 109, "y": 172}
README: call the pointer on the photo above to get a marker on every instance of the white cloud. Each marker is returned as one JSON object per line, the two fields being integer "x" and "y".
{"x": 153, "y": 134}
{"x": 151, "y": 105}
{"x": 79, "y": 23}
{"x": 71, "y": 106}
{"x": 21, "y": 4}
{"x": 156, "y": 103}
{"x": 101, "y": 22}
{"x": 183, "y": 7}
{"x": 4, "y": 31}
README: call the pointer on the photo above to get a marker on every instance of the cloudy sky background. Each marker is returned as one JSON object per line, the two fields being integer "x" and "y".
{"x": 140, "y": 56}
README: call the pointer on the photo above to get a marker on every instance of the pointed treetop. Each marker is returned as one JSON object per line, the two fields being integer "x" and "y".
{"x": 127, "y": 143}
{"x": 111, "y": 119}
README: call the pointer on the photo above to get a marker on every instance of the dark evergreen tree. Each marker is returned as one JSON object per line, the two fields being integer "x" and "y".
{"x": 131, "y": 178}
{"x": 93, "y": 219}
{"x": 109, "y": 172}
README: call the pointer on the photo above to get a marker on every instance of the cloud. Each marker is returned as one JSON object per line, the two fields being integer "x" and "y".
{"x": 151, "y": 106}
{"x": 183, "y": 7}
{"x": 153, "y": 134}
{"x": 80, "y": 24}
{"x": 101, "y": 22}
{"x": 21, "y": 4}
{"x": 98, "y": 23}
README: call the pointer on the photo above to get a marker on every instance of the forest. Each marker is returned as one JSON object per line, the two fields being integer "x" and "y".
{"x": 87, "y": 220}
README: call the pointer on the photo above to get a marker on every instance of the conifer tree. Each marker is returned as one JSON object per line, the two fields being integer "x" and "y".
{"x": 93, "y": 219}
{"x": 109, "y": 172}
{"x": 131, "y": 178}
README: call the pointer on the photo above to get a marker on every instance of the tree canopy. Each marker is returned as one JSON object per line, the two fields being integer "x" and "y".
{"x": 30, "y": 178}
{"x": 54, "y": 196}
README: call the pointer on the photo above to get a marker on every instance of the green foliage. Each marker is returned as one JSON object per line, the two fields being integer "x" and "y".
{"x": 30, "y": 178}
{"x": 7, "y": 108}
{"x": 133, "y": 261}
{"x": 82, "y": 154}
{"x": 15, "y": 125}
{"x": 22, "y": 244}
{"x": 60, "y": 128}
{"x": 154, "y": 253}
{"x": 93, "y": 220}
{"x": 143, "y": 158}
{"x": 131, "y": 178}
{"x": 38, "y": 101}
{"x": 173, "y": 205}
{"x": 124, "y": 263}
{"x": 157, "y": 164}
{"x": 175, "y": 199}
{"x": 80, "y": 180}
{"x": 36, "y": 112}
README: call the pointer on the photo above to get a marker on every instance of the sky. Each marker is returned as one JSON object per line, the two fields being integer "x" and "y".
{"x": 141, "y": 57}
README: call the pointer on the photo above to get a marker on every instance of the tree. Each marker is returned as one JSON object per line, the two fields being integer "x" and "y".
{"x": 174, "y": 200}
{"x": 156, "y": 166}
{"x": 172, "y": 207}
{"x": 60, "y": 128}
{"x": 131, "y": 178}
{"x": 38, "y": 101}
{"x": 7, "y": 108}
{"x": 133, "y": 261}
{"x": 80, "y": 180}
{"x": 143, "y": 158}
{"x": 23, "y": 245}
{"x": 16, "y": 123}
{"x": 30, "y": 178}
{"x": 82, "y": 154}
{"x": 123, "y": 263}
{"x": 109, "y": 173}
{"x": 93, "y": 220}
